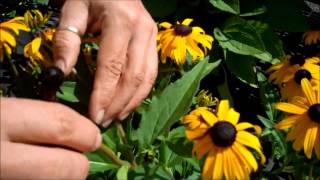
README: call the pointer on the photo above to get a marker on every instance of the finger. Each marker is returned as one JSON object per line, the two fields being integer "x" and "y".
{"x": 22, "y": 161}
{"x": 110, "y": 65}
{"x": 48, "y": 123}
{"x": 134, "y": 74}
{"x": 147, "y": 84}
{"x": 66, "y": 49}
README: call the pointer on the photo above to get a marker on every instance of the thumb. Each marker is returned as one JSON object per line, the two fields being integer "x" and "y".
{"x": 66, "y": 43}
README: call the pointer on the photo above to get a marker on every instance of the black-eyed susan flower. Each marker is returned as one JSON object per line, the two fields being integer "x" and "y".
{"x": 8, "y": 30}
{"x": 205, "y": 99}
{"x": 311, "y": 37}
{"x": 178, "y": 39}
{"x": 32, "y": 50}
{"x": 285, "y": 71}
{"x": 303, "y": 120}
{"x": 225, "y": 142}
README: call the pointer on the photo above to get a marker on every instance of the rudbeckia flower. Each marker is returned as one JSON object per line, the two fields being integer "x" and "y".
{"x": 8, "y": 30}
{"x": 311, "y": 37}
{"x": 225, "y": 142}
{"x": 32, "y": 50}
{"x": 178, "y": 39}
{"x": 283, "y": 72}
{"x": 303, "y": 120}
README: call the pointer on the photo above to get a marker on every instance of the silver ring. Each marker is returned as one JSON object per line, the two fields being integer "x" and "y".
{"x": 71, "y": 29}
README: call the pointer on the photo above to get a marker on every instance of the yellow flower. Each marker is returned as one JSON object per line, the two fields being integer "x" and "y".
{"x": 303, "y": 120}
{"x": 225, "y": 142}
{"x": 283, "y": 72}
{"x": 8, "y": 30}
{"x": 311, "y": 37}
{"x": 176, "y": 40}
{"x": 204, "y": 99}
{"x": 32, "y": 50}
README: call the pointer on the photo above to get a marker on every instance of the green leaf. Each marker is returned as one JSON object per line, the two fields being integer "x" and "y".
{"x": 99, "y": 162}
{"x": 96, "y": 167}
{"x": 252, "y": 38}
{"x": 254, "y": 12}
{"x": 237, "y": 36}
{"x": 68, "y": 92}
{"x": 272, "y": 42}
{"x": 173, "y": 102}
{"x": 160, "y": 8}
{"x": 242, "y": 67}
{"x": 231, "y": 6}
{"x": 122, "y": 173}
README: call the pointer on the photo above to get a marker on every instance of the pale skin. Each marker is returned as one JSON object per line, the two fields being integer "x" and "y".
{"x": 45, "y": 140}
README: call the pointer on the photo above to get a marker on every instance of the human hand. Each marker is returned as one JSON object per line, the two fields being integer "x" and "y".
{"x": 28, "y": 125}
{"x": 127, "y": 59}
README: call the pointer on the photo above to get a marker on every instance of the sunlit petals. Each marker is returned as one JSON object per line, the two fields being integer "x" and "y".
{"x": 290, "y": 108}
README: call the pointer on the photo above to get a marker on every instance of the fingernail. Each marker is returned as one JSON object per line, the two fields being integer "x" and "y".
{"x": 98, "y": 142}
{"x": 60, "y": 64}
{"x": 124, "y": 116}
{"x": 107, "y": 123}
{"x": 99, "y": 116}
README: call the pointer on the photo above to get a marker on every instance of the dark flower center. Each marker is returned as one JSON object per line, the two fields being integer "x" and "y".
{"x": 297, "y": 60}
{"x": 182, "y": 30}
{"x": 223, "y": 134}
{"x": 314, "y": 112}
{"x": 300, "y": 74}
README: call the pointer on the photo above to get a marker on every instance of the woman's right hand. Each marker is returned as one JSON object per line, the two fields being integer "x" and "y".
{"x": 44, "y": 140}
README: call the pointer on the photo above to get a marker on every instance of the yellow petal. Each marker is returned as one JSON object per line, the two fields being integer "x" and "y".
{"x": 187, "y": 21}
{"x": 249, "y": 158}
{"x": 165, "y": 25}
{"x": 218, "y": 166}
{"x": 233, "y": 116}
{"x": 202, "y": 146}
{"x": 223, "y": 109}
{"x": 208, "y": 166}
{"x": 290, "y": 108}
{"x": 237, "y": 165}
{"x": 209, "y": 117}
{"x": 310, "y": 140}
{"x": 7, "y": 38}
{"x": 246, "y": 125}
{"x": 35, "y": 44}
{"x": 227, "y": 171}
{"x": 308, "y": 91}
{"x": 251, "y": 141}
{"x": 194, "y": 134}
{"x": 288, "y": 122}
{"x": 299, "y": 141}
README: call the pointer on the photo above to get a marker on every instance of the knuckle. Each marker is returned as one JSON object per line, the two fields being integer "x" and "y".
{"x": 138, "y": 79}
{"x": 113, "y": 68}
{"x": 63, "y": 125}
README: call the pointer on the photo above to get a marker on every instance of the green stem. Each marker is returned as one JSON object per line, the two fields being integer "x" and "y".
{"x": 106, "y": 150}
{"x": 121, "y": 132}
{"x": 125, "y": 141}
